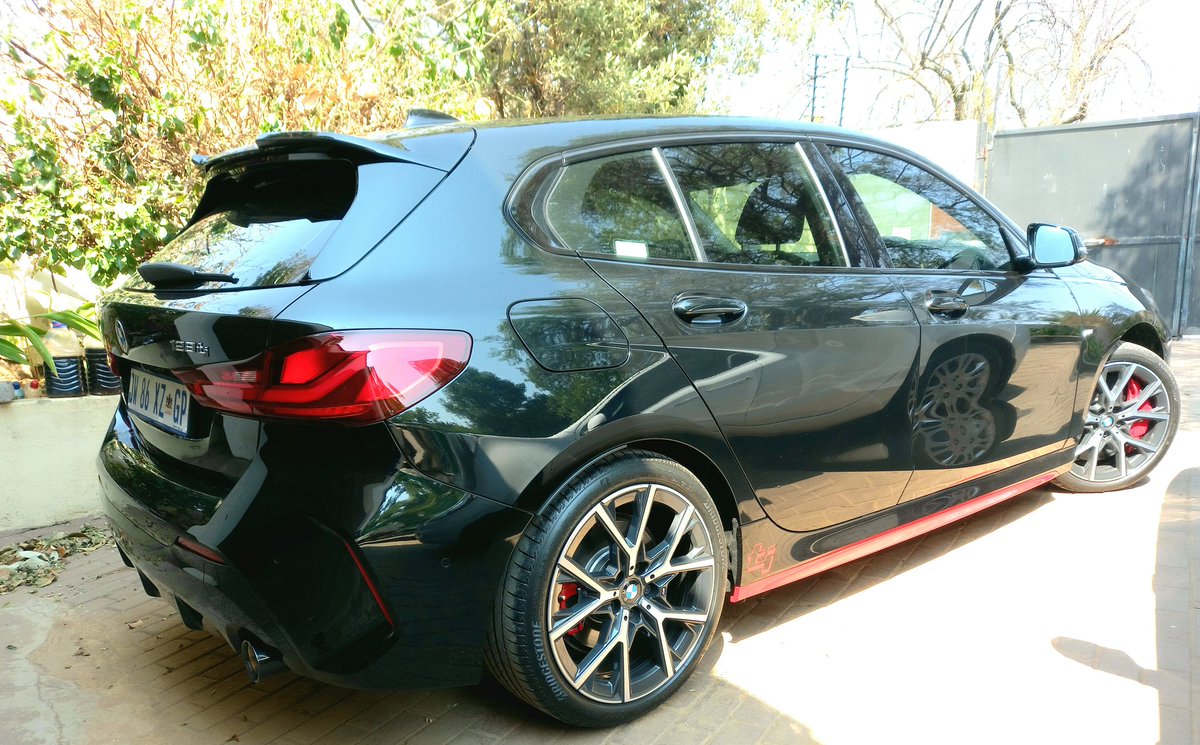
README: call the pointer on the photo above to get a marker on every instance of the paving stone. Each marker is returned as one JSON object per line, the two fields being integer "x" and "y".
{"x": 1098, "y": 593}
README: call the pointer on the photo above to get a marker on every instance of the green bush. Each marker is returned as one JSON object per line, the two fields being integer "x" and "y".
{"x": 100, "y": 112}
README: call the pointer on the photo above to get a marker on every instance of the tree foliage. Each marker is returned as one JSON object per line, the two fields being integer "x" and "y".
{"x": 103, "y": 101}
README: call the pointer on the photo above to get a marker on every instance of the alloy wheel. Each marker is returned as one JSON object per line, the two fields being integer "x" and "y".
{"x": 632, "y": 594}
{"x": 1125, "y": 424}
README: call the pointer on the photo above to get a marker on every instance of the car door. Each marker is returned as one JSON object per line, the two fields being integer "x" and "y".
{"x": 999, "y": 348}
{"x": 804, "y": 355}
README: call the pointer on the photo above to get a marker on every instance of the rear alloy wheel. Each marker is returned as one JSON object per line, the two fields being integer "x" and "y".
{"x": 1129, "y": 423}
{"x": 613, "y": 594}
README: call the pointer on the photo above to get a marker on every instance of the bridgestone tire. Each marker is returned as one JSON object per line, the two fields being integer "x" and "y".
{"x": 666, "y": 594}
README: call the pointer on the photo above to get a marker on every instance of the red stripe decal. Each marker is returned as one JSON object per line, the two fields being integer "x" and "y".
{"x": 370, "y": 585}
{"x": 875, "y": 543}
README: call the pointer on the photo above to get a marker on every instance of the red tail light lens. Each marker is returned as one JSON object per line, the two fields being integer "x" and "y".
{"x": 349, "y": 377}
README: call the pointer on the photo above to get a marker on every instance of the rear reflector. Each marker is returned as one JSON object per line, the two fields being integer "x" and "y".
{"x": 347, "y": 377}
{"x": 199, "y": 549}
{"x": 362, "y": 570}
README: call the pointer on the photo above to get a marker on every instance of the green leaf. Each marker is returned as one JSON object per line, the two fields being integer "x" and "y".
{"x": 12, "y": 353}
{"x": 73, "y": 321}
{"x": 36, "y": 341}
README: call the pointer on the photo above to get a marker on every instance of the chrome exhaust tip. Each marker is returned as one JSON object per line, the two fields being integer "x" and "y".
{"x": 260, "y": 664}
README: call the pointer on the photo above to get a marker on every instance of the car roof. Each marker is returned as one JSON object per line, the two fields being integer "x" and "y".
{"x": 552, "y": 135}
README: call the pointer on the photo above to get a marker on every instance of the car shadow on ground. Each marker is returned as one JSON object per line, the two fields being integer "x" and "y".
{"x": 1178, "y": 545}
{"x": 765, "y": 612}
{"x": 146, "y": 673}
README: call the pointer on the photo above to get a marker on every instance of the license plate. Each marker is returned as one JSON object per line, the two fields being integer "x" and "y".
{"x": 164, "y": 402}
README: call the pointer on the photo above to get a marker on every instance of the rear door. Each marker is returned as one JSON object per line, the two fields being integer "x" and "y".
{"x": 999, "y": 348}
{"x": 803, "y": 354}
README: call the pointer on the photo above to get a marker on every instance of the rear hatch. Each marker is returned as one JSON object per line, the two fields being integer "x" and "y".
{"x": 275, "y": 219}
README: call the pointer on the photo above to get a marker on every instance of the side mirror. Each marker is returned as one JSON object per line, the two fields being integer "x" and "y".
{"x": 1054, "y": 245}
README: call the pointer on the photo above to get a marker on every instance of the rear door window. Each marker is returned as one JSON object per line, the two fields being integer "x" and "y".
{"x": 756, "y": 203}
{"x": 618, "y": 205}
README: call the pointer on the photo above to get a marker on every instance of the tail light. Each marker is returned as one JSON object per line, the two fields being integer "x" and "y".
{"x": 347, "y": 377}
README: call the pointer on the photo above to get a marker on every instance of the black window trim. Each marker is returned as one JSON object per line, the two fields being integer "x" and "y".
{"x": 681, "y": 208}
{"x": 528, "y": 194}
{"x": 820, "y": 187}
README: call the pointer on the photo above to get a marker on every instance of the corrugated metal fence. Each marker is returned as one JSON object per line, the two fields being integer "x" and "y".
{"x": 1130, "y": 189}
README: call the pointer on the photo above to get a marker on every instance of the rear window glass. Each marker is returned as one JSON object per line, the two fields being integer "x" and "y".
{"x": 265, "y": 224}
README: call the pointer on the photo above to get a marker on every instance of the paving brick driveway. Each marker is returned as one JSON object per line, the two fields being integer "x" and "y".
{"x": 1054, "y": 618}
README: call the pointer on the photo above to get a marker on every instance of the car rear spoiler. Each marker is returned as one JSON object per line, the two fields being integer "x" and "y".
{"x": 441, "y": 151}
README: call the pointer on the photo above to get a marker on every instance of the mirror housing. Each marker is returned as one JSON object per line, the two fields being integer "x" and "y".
{"x": 1052, "y": 246}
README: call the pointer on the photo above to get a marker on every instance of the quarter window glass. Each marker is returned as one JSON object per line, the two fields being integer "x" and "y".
{"x": 925, "y": 223}
{"x": 755, "y": 203}
{"x": 619, "y": 205}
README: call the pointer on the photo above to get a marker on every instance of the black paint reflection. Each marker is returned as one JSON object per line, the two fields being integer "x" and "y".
{"x": 958, "y": 420}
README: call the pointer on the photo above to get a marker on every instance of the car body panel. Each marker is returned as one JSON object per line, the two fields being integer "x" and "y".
{"x": 810, "y": 388}
{"x": 290, "y": 579}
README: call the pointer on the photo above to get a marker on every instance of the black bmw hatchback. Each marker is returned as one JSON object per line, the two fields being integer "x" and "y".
{"x": 540, "y": 398}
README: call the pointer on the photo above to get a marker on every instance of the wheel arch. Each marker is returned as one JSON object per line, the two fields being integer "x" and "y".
{"x": 702, "y": 468}
{"x": 1145, "y": 335}
{"x": 689, "y": 455}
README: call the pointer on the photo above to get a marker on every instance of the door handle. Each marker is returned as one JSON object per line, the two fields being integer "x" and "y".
{"x": 945, "y": 303}
{"x": 706, "y": 310}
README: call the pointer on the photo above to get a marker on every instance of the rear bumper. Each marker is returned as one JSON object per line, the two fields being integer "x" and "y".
{"x": 376, "y": 586}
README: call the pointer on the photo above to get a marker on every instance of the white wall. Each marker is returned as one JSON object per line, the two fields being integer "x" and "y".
{"x": 48, "y": 453}
{"x": 951, "y": 145}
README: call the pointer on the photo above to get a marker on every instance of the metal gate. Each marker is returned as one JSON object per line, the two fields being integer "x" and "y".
{"x": 1130, "y": 189}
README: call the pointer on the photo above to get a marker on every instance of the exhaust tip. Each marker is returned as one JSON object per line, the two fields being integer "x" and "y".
{"x": 260, "y": 663}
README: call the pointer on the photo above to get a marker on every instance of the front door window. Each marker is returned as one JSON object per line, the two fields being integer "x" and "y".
{"x": 924, "y": 221}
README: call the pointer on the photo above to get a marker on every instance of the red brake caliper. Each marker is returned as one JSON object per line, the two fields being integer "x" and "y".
{"x": 1139, "y": 428}
{"x": 565, "y": 597}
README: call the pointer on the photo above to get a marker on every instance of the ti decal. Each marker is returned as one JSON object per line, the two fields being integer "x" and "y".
{"x": 760, "y": 559}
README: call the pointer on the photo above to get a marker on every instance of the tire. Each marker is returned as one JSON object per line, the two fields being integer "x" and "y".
{"x": 569, "y": 600}
{"x": 1129, "y": 425}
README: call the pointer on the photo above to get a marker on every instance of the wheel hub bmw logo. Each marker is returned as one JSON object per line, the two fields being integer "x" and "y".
{"x": 1107, "y": 421}
{"x": 632, "y": 591}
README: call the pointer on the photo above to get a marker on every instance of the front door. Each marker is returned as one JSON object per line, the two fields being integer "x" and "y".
{"x": 804, "y": 355}
{"x": 999, "y": 348}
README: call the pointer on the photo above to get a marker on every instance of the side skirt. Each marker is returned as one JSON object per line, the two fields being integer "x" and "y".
{"x": 813, "y": 553}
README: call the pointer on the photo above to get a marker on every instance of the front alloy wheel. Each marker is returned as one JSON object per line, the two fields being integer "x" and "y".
{"x": 628, "y": 564}
{"x": 1129, "y": 423}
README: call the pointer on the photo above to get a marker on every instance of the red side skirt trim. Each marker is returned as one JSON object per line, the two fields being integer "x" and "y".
{"x": 875, "y": 543}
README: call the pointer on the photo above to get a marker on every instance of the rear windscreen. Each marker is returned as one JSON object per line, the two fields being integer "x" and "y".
{"x": 265, "y": 224}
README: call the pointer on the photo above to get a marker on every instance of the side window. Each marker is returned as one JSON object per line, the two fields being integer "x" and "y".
{"x": 756, "y": 203}
{"x": 618, "y": 205}
{"x": 924, "y": 222}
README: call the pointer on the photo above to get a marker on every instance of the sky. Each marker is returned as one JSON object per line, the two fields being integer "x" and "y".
{"x": 1165, "y": 38}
